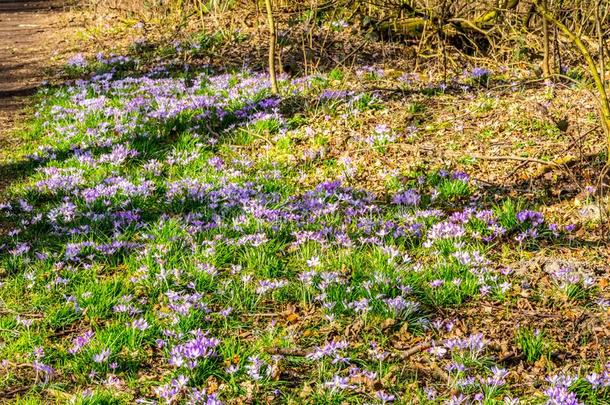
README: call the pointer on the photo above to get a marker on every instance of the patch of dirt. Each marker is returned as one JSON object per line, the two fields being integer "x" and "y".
{"x": 33, "y": 34}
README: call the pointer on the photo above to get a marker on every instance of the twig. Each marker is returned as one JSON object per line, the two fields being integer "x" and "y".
{"x": 433, "y": 370}
{"x": 580, "y": 138}
{"x": 517, "y": 158}
{"x": 36, "y": 315}
{"x": 519, "y": 167}
{"x": 287, "y": 351}
{"x": 508, "y": 356}
{"x": 63, "y": 332}
{"x": 265, "y": 315}
{"x": 416, "y": 349}
{"x": 602, "y": 210}
{"x": 353, "y": 52}
{"x": 13, "y": 392}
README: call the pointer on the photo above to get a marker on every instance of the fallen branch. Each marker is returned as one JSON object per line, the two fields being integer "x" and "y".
{"x": 13, "y": 392}
{"x": 63, "y": 332}
{"x": 566, "y": 162}
{"x": 432, "y": 370}
{"x": 561, "y": 163}
{"x": 549, "y": 164}
{"x": 519, "y": 159}
{"x": 416, "y": 349}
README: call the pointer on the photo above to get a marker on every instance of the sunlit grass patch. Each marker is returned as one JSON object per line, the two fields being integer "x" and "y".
{"x": 190, "y": 237}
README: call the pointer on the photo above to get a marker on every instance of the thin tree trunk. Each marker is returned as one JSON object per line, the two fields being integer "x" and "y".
{"x": 546, "y": 67}
{"x": 559, "y": 63}
{"x": 591, "y": 65}
{"x": 272, "y": 42}
{"x": 601, "y": 42}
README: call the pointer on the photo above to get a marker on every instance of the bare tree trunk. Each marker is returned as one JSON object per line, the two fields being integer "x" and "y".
{"x": 272, "y": 42}
{"x": 546, "y": 68}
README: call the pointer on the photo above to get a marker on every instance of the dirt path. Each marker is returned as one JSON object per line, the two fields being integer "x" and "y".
{"x": 32, "y": 34}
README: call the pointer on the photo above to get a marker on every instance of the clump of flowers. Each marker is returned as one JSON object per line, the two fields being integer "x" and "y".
{"x": 190, "y": 353}
{"x": 409, "y": 198}
{"x": 381, "y": 137}
{"x": 599, "y": 380}
{"x": 77, "y": 61}
{"x": 79, "y": 342}
{"x": 477, "y": 75}
{"x": 559, "y": 392}
{"x": 575, "y": 284}
{"x": 370, "y": 72}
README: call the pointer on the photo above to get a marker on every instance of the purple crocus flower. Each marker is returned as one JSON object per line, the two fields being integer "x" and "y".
{"x": 102, "y": 356}
{"x": 409, "y": 197}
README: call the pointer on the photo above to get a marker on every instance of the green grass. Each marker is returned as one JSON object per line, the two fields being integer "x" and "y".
{"x": 195, "y": 207}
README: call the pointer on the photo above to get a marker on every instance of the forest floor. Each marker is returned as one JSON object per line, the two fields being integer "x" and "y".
{"x": 171, "y": 231}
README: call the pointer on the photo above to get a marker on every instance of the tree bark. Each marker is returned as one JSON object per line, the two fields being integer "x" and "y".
{"x": 546, "y": 67}
{"x": 272, "y": 44}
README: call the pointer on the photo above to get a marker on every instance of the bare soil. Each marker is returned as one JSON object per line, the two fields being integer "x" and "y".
{"x": 33, "y": 35}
